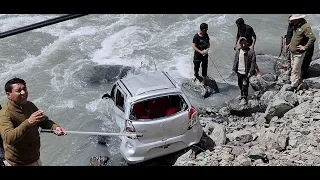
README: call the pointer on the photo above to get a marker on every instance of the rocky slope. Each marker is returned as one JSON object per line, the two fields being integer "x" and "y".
{"x": 276, "y": 127}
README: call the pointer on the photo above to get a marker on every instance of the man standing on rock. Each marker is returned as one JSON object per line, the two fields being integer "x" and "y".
{"x": 245, "y": 30}
{"x": 244, "y": 67}
{"x": 200, "y": 45}
{"x": 303, "y": 39}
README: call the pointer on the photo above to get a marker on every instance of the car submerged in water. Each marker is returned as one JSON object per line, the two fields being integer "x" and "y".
{"x": 152, "y": 104}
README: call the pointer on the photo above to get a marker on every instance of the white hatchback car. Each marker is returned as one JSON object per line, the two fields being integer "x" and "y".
{"x": 154, "y": 105}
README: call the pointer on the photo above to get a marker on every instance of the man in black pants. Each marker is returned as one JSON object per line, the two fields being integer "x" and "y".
{"x": 245, "y": 30}
{"x": 288, "y": 37}
{"x": 244, "y": 67}
{"x": 201, "y": 44}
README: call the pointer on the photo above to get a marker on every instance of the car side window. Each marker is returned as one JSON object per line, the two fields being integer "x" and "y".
{"x": 120, "y": 100}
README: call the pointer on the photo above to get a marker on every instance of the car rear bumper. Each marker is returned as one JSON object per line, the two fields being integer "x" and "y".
{"x": 133, "y": 151}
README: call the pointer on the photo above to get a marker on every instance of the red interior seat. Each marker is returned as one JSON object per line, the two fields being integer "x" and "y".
{"x": 172, "y": 110}
{"x": 157, "y": 107}
{"x": 138, "y": 110}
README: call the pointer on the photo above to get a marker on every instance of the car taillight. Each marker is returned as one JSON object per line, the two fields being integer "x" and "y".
{"x": 193, "y": 116}
{"x": 191, "y": 111}
{"x": 128, "y": 127}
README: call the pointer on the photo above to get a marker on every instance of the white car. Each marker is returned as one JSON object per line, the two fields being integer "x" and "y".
{"x": 153, "y": 104}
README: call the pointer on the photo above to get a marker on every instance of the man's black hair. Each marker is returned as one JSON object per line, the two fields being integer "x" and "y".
{"x": 8, "y": 86}
{"x": 203, "y": 26}
{"x": 239, "y": 21}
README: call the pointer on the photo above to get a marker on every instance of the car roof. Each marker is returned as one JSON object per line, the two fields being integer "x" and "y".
{"x": 146, "y": 82}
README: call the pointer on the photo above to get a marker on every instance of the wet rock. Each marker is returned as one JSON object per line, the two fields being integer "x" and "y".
{"x": 99, "y": 161}
{"x": 210, "y": 87}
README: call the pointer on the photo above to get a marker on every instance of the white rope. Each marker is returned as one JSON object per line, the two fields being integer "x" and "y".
{"x": 95, "y": 133}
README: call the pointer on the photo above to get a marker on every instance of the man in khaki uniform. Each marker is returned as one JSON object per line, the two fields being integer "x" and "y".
{"x": 20, "y": 120}
{"x": 303, "y": 39}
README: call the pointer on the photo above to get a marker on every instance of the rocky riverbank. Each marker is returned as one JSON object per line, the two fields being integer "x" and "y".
{"x": 275, "y": 128}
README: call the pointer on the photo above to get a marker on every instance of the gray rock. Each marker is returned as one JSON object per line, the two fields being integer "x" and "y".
{"x": 244, "y": 160}
{"x": 236, "y": 108}
{"x": 224, "y": 111}
{"x": 283, "y": 79}
{"x": 259, "y": 84}
{"x": 257, "y": 153}
{"x": 218, "y": 134}
{"x": 285, "y": 87}
{"x": 277, "y": 108}
{"x": 237, "y": 150}
{"x": 183, "y": 159}
{"x": 287, "y": 96}
{"x": 269, "y": 77}
{"x": 266, "y": 98}
{"x": 314, "y": 68}
{"x": 243, "y": 136}
{"x": 99, "y": 161}
{"x": 283, "y": 141}
{"x": 313, "y": 82}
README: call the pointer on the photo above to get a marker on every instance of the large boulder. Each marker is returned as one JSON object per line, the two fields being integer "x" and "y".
{"x": 314, "y": 68}
{"x": 266, "y": 98}
{"x": 259, "y": 84}
{"x": 313, "y": 82}
{"x": 235, "y": 108}
{"x": 277, "y": 107}
{"x": 210, "y": 87}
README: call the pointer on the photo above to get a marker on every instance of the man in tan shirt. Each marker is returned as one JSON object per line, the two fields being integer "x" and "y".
{"x": 302, "y": 40}
{"x": 20, "y": 120}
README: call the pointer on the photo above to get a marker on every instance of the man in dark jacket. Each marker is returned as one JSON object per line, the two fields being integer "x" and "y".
{"x": 303, "y": 40}
{"x": 245, "y": 30}
{"x": 244, "y": 67}
{"x": 20, "y": 120}
{"x": 200, "y": 45}
{"x": 288, "y": 37}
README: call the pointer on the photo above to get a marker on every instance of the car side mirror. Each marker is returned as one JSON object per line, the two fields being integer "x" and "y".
{"x": 106, "y": 95}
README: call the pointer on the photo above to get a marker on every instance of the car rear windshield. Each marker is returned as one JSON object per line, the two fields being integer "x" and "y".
{"x": 158, "y": 107}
